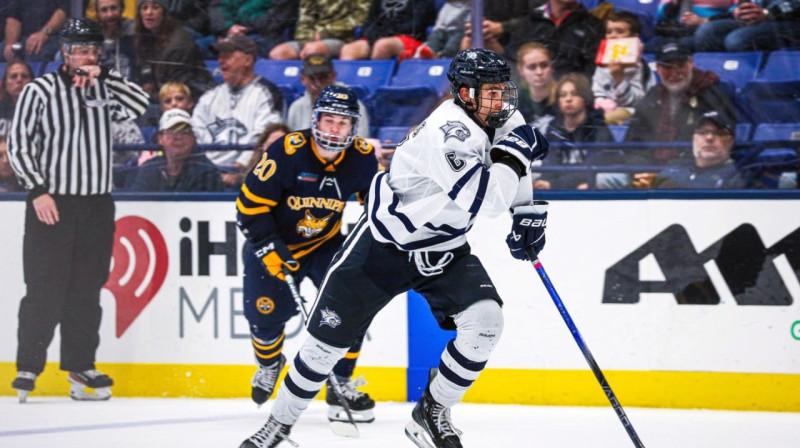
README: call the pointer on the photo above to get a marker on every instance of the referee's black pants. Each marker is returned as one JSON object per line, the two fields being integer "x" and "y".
{"x": 65, "y": 267}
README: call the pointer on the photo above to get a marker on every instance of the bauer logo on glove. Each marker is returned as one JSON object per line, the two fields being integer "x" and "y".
{"x": 527, "y": 231}
{"x": 275, "y": 256}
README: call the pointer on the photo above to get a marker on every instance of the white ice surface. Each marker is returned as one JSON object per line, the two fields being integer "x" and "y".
{"x": 193, "y": 423}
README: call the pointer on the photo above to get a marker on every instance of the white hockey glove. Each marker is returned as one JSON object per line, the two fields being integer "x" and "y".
{"x": 519, "y": 148}
{"x": 527, "y": 230}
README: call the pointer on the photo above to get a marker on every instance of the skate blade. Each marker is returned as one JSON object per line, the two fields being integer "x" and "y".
{"x": 345, "y": 429}
{"x": 83, "y": 393}
{"x": 417, "y": 435}
{"x": 23, "y": 395}
{"x": 338, "y": 414}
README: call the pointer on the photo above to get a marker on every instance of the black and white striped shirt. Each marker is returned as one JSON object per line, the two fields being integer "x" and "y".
{"x": 60, "y": 139}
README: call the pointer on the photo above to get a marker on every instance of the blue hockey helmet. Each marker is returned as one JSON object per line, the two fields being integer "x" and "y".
{"x": 474, "y": 67}
{"x": 338, "y": 100}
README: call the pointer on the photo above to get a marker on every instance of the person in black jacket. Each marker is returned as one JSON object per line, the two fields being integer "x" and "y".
{"x": 566, "y": 27}
{"x": 392, "y": 29}
{"x": 577, "y": 121}
{"x": 180, "y": 168}
{"x": 668, "y": 111}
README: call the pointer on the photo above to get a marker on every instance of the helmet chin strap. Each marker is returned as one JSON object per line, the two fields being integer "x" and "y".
{"x": 472, "y": 107}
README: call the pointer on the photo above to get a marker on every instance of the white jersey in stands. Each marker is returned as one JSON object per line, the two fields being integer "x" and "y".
{"x": 230, "y": 116}
{"x": 441, "y": 178}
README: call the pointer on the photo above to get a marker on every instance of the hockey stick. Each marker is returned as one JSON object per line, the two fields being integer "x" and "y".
{"x": 585, "y": 350}
{"x": 339, "y": 428}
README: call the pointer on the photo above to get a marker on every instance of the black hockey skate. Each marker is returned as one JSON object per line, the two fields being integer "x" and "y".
{"x": 270, "y": 435}
{"x": 90, "y": 385}
{"x": 430, "y": 425}
{"x": 24, "y": 384}
{"x": 264, "y": 381}
{"x": 361, "y": 405}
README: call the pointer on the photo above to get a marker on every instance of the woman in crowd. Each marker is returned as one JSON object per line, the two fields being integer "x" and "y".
{"x": 166, "y": 52}
{"x": 576, "y": 121}
{"x": 17, "y": 74}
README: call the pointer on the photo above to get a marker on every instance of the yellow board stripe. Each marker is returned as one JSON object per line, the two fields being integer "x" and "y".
{"x": 663, "y": 389}
{"x": 257, "y": 199}
{"x": 251, "y": 210}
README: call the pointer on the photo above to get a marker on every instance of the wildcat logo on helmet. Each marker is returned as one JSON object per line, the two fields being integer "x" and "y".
{"x": 330, "y": 318}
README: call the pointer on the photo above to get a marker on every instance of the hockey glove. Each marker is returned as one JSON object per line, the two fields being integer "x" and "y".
{"x": 275, "y": 256}
{"x": 519, "y": 148}
{"x": 527, "y": 230}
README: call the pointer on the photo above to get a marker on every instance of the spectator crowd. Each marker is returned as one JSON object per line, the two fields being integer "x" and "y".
{"x": 610, "y": 84}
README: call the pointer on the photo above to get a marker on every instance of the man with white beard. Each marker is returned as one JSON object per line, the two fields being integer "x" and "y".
{"x": 670, "y": 110}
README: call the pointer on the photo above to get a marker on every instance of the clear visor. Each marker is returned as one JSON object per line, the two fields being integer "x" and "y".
{"x": 84, "y": 49}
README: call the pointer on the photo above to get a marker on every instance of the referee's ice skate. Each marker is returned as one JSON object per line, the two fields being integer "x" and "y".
{"x": 90, "y": 385}
{"x": 24, "y": 384}
{"x": 360, "y": 403}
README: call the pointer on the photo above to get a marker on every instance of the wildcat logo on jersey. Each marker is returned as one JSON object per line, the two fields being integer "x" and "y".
{"x": 330, "y": 318}
{"x": 310, "y": 226}
{"x": 233, "y": 126}
{"x": 455, "y": 163}
{"x": 455, "y": 129}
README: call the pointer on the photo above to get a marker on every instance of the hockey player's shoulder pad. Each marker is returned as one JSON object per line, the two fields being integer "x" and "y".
{"x": 293, "y": 142}
{"x": 363, "y": 146}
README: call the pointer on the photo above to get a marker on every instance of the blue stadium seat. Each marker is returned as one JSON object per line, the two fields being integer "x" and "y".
{"x": 289, "y": 94}
{"x": 774, "y": 159}
{"x": 45, "y": 68}
{"x": 618, "y": 131}
{"x": 361, "y": 92}
{"x": 736, "y": 68}
{"x": 149, "y": 133}
{"x": 781, "y": 66}
{"x": 432, "y": 72}
{"x": 777, "y": 131}
{"x": 213, "y": 67}
{"x": 743, "y": 131}
{"x": 401, "y": 106}
{"x": 367, "y": 73}
{"x": 281, "y": 72}
{"x": 2, "y": 67}
{"x": 392, "y": 134}
{"x": 646, "y": 11}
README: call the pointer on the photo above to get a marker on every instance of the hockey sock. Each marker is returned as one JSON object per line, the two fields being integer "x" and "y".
{"x": 479, "y": 329}
{"x": 307, "y": 375}
{"x": 268, "y": 352}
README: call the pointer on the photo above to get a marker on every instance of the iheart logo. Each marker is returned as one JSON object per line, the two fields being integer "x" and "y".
{"x": 138, "y": 268}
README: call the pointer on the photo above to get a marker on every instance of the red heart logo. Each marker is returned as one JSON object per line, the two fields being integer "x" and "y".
{"x": 139, "y": 267}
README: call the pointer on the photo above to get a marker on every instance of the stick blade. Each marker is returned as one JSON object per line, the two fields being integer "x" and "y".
{"x": 345, "y": 429}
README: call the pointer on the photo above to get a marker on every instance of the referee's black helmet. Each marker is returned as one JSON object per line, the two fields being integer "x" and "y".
{"x": 81, "y": 31}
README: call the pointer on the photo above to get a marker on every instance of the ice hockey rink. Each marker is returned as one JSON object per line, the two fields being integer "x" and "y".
{"x": 129, "y": 422}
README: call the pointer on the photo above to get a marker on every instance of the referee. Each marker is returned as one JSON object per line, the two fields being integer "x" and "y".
{"x": 60, "y": 148}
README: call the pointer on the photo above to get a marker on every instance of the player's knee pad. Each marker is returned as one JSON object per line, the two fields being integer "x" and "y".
{"x": 319, "y": 356}
{"x": 479, "y": 329}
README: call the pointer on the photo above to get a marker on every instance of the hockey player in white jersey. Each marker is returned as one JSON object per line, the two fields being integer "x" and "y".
{"x": 471, "y": 157}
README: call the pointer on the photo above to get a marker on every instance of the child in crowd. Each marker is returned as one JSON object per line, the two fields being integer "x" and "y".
{"x": 445, "y": 39}
{"x": 617, "y": 87}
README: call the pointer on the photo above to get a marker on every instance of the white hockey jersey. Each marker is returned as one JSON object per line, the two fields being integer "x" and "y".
{"x": 236, "y": 117}
{"x": 440, "y": 179}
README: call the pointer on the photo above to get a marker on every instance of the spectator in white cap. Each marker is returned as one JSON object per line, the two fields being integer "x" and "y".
{"x": 180, "y": 168}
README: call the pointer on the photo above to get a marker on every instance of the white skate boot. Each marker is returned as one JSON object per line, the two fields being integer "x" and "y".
{"x": 24, "y": 384}
{"x": 90, "y": 385}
